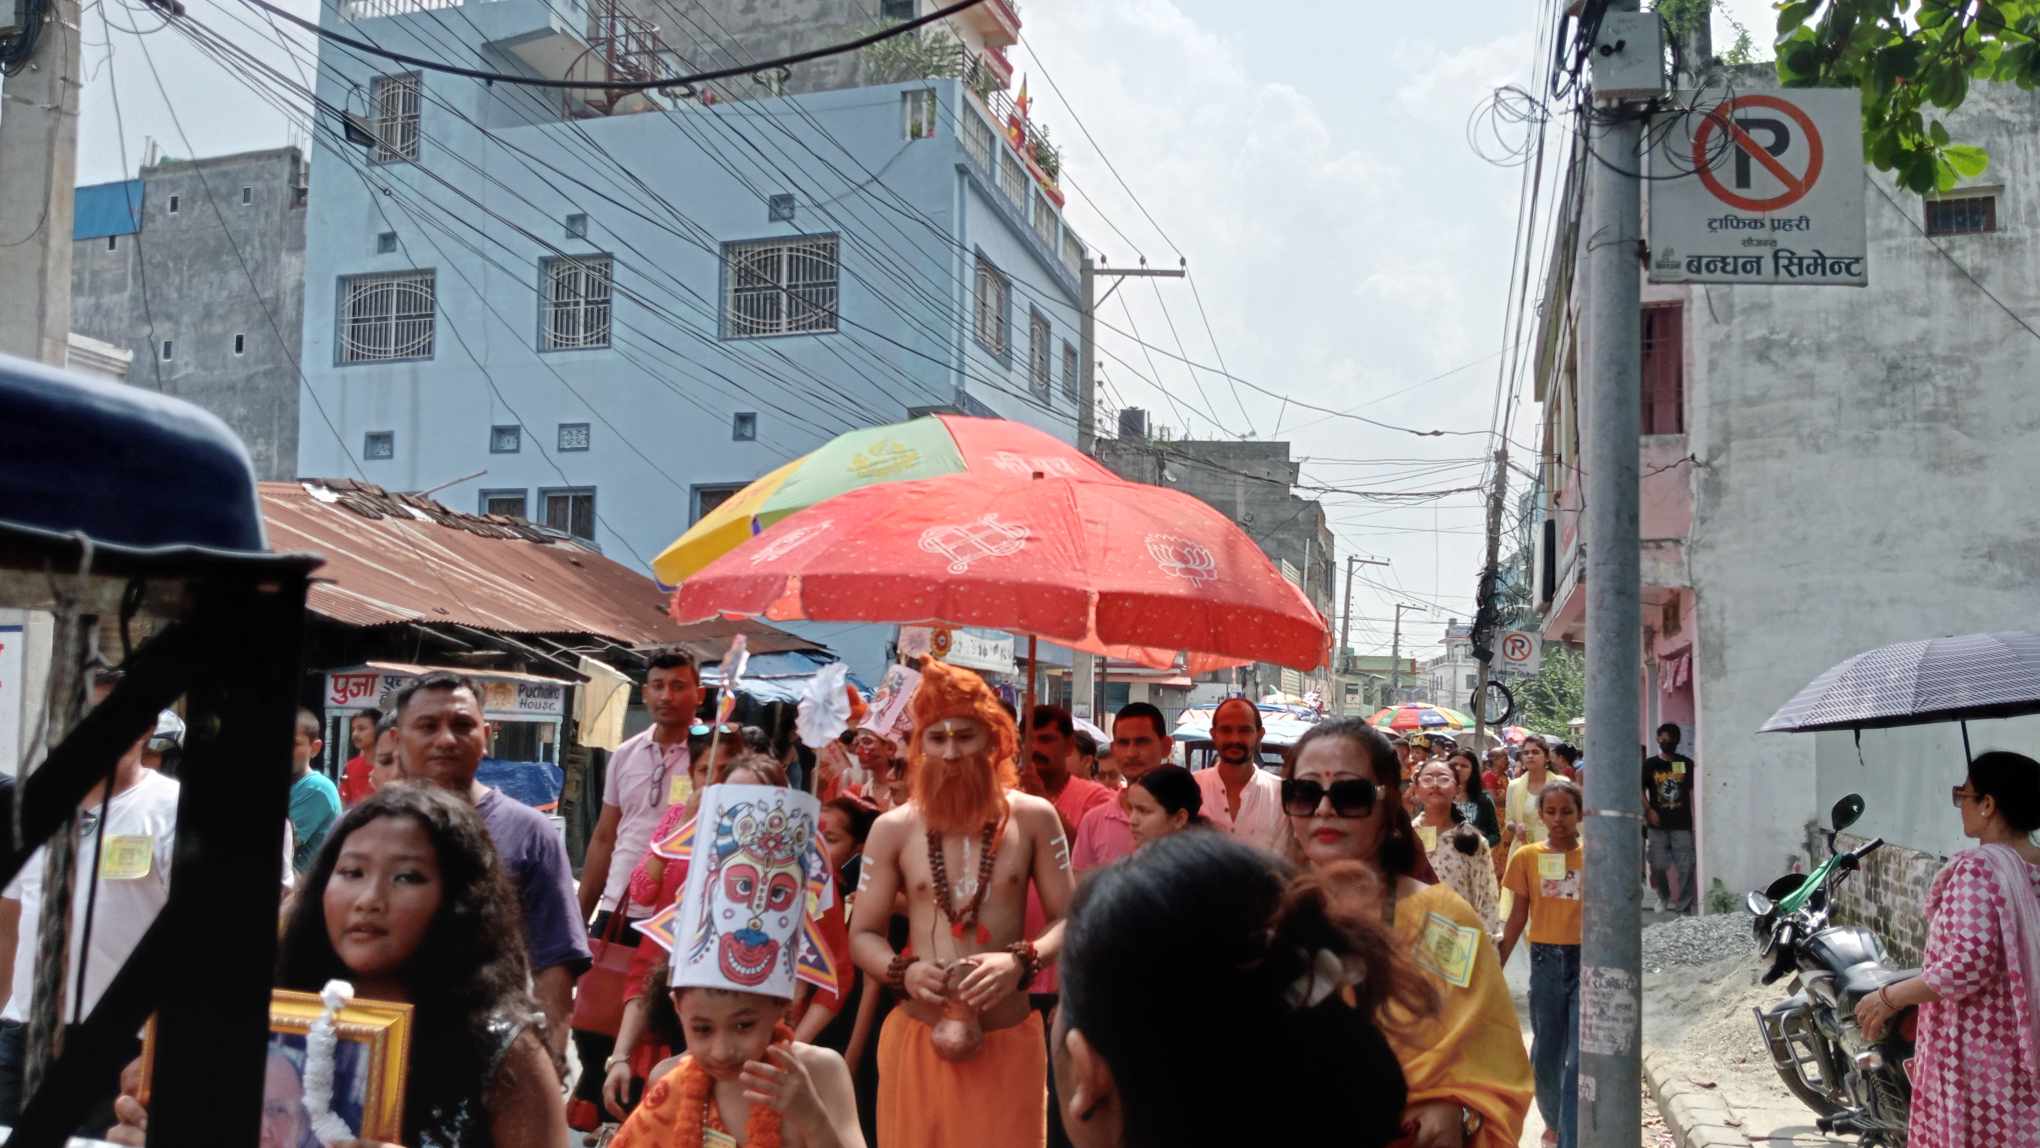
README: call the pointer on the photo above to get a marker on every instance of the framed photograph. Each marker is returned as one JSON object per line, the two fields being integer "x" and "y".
{"x": 370, "y": 1070}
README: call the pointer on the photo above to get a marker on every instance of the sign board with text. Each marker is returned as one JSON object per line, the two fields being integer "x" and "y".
{"x": 1763, "y": 187}
{"x": 522, "y": 699}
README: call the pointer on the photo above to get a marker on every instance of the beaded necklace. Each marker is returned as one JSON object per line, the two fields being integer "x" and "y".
{"x": 938, "y": 868}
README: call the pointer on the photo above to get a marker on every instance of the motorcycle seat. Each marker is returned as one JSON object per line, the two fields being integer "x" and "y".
{"x": 1860, "y": 981}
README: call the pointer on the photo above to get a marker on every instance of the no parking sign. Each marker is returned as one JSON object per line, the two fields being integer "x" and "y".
{"x": 1522, "y": 651}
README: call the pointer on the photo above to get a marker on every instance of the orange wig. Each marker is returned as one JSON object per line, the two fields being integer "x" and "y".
{"x": 961, "y": 795}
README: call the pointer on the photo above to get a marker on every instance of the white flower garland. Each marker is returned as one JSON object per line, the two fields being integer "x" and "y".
{"x": 322, "y": 1043}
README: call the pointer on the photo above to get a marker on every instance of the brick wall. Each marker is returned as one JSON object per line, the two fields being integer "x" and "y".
{"x": 1889, "y": 895}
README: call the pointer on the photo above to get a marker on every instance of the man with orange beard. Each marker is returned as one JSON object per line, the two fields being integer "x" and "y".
{"x": 963, "y": 1062}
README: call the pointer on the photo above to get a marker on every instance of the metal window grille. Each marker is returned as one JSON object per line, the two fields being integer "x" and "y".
{"x": 1072, "y": 253}
{"x": 1012, "y": 179}
{"x": 571, "y": 511}
{"x": 1963, "y": 215}
{"x": 993, "y": 291}
{"x": 506, "y": 440}
{"x": 370, "y": 9}
{"x": 386, "y": 317}
{"x": 578, "y": 292}
{"x": 1044, "y": 221}
{"x": 575, "y": 437}
{"x": 1037, "y": 352}
{"x": 917, "y": 108}
{"x": 780, "y": 287}
{"x": 395, "y": 99}
{"x": 977, "y": 140}
{"x": 1069, "y": 379}
{"x": 508, "y": 503}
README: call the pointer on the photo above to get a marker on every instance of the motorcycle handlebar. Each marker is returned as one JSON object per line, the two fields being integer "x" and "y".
{"x": 1854, "y": 857}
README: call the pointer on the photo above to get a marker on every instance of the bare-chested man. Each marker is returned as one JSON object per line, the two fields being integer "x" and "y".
{"x": 963, "y": 1063}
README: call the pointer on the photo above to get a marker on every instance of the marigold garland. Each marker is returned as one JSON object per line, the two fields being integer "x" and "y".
{"x": 698, "y": 1111}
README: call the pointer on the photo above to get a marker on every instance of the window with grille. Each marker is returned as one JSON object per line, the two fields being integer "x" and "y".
{"x": 379, "y": 446}
{"x": 387, "y": 317}
{"x": 1069, "y": 371}
{"x": 780, "y": 287}
{"x": 570, "y": 510}
{"x": 994, "y": 301}
{"x": 1664, "y": 370}
{"x": 575, "y": 437}
{"x": 1962, "y": 215}
{"x": 575, "y": 313}
{"x": 506, "y": 440}
{"x": 1072, "y": 253}
{"x": 1044, "y": 220}
{"x": 508, "y": 503}
{"x": 707, "y": 498}
{"x": 780, "y": 208}
{"x": 917, "y": 108}
{"x": 1012, "y": 180}
{"x": 1038, "y": 351}
{"x": 395, "y": 101}
{"x": 891, "y": 10}
{"x": 977, "y": 139}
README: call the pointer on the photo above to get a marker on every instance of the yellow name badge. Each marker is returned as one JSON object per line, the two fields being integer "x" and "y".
{"x": 1551, "y": 866}
{"x": 1428, "y": 834}
{"x": 712, "y": 1138}
{"x": 127, "y": 858}
{"x": 1447, "y": 949}
{"x": 1678, "y": 769}
{"x": 679, "y": 788}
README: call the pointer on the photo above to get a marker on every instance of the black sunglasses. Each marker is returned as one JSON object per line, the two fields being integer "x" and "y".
{"x": 1351, "y": 796}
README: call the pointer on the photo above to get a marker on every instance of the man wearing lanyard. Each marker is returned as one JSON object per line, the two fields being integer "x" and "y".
{"x": 645, "y": 774}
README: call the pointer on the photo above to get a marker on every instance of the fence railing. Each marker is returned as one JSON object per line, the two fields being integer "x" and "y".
{"x": 371, "y": 9}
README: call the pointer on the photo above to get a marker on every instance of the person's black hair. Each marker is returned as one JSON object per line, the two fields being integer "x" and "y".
{"x": 1567, "y": 786}
{"x": 846, "y": 737}
{"x": 1138, "y": 948}
{"x": 1399, "y": 846}
{"x": 1469, "y": 790}
{"x": 469, "y": 970}
{"x": 756, "y": 740}
{"x": 1670, "y": 727}
{"x": 770, "y": 770}
{"x": 2013, "y": 781}
{"x": 1242, "y": 699}
{"x": 373, "y": 715}
{"x": 662, "y": 1019}
{"x": 436, "y": 680}
{"x": 673, "y": 660}
{"x": 861, "y": 817}
{"x": 1053, "y": 716}
{"x": 1148, "y": 710}
{"x": 1566, "y": 752}
{"x": 1176, "y": 791}
{"x": 1011, "y": 711}
{"x": 1086, "y": 744}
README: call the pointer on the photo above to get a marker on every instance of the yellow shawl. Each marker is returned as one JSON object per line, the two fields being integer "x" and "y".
{"x": 1471, "y": 1050}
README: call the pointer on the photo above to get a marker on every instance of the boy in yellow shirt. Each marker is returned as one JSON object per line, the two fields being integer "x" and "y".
{"x": 1545, "y": 879}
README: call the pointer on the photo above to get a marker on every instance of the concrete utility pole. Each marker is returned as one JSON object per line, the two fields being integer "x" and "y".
{"x": 1484, "y": 652}
{"x": 1395, "y": 655}
{"x": 1083, "y": 668}
{"x": 1346, "y": 621}
{"x": 38, "y": 177}
{"x": 1611, "y": 955}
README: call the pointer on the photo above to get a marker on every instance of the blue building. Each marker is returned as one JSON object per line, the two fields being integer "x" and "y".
{"x": 623, "y": 307}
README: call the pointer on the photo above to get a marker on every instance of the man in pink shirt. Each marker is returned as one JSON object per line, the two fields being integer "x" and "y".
{"x": 1051, "y": 747}
{"x": 1140, "y": 742}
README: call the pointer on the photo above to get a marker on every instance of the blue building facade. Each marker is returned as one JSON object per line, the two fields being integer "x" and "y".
{"x": 623, "y": 311}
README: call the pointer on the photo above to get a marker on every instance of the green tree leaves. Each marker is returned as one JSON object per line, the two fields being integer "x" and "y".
{"x": 1555, "y": 694}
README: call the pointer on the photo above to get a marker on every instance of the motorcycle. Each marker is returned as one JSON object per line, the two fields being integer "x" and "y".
{"x": 1854, "y": 1085}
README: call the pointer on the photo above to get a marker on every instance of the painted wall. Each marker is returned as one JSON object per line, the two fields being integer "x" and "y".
{"x": 1866, "y": 475}
{"x": 498, "y": 177}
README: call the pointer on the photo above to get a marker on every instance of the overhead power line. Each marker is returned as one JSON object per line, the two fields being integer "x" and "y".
{"x": 688, "y": 81}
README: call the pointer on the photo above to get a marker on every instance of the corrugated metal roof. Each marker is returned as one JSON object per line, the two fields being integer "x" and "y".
{"x": 104, "y": 209}
{"x": 400, "y": 558}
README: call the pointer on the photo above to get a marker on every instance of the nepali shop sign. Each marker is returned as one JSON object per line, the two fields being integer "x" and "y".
{"x": 1760, "y": 188}
{"x": 521, "y": 699}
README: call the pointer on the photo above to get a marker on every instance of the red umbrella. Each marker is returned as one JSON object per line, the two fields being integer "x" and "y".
{"x": 1102, "y": 566}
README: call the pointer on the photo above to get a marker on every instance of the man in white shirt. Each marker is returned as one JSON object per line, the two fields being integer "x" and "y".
{"x": 1240, "y": 797}
{"x": 134, "y": 835}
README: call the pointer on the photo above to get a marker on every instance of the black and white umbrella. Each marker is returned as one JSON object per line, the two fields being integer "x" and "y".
{"x": 1963, "y": 679}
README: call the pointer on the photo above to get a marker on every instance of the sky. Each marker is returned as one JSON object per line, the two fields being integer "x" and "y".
{"x": 1310, "y": 161}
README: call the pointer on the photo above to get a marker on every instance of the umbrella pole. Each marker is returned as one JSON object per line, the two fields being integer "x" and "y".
{"x": 1967, "y": 756}
{"x": 1033, "y": 670}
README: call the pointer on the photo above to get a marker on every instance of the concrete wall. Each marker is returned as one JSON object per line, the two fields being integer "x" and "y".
{"x": 662, "y": 192}
{"x": 200, "y": 297}
{"x": 1865, "y": 476}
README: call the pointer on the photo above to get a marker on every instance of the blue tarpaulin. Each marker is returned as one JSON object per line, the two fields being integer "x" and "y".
{"x": 105, "y": 209}
{"x": 535, "y": 783}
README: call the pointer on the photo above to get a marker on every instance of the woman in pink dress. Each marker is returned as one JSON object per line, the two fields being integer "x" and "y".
{"x": 1976, "y": 1069}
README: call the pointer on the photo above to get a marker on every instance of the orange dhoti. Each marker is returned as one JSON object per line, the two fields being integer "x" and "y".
{"x": 996, "y": 1099}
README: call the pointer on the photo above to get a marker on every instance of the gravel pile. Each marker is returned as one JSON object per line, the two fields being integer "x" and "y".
{"x": 1697, "y": 940}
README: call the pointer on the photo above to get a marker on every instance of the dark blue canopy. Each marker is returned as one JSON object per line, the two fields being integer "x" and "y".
{"x": 126, "y": 466}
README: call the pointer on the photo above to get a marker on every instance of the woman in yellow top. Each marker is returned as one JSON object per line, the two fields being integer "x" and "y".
{"x": 1546, "y": 879}
{"x": 1469, "y": 1079}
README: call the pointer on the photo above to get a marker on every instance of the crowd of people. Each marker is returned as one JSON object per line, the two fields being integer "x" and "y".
{"x": 951, "y": 929}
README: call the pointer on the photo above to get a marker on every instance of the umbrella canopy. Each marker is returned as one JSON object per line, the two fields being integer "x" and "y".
{"x": 1515, "y": 734}
{"x": 1968, "y": 678}
{"x": 1416, "y": 716}
{"x": 1113, "y": 567}
{"x": 897, "y": 452}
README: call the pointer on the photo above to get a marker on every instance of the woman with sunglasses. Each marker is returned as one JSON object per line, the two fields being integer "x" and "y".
{"x": 1457, "y": 851}
{"x": 1976, "y": 1069}
{"x": 1469, "y": 1077}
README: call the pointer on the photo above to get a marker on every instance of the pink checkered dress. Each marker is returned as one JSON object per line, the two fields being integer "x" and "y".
{"x": 1972, "y": 1087}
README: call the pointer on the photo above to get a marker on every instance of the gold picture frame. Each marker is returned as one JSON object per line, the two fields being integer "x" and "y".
{"x": 374, "y": 1057}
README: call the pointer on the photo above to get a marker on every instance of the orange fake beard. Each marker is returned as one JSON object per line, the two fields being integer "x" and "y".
{"x": 961, "y": 795}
